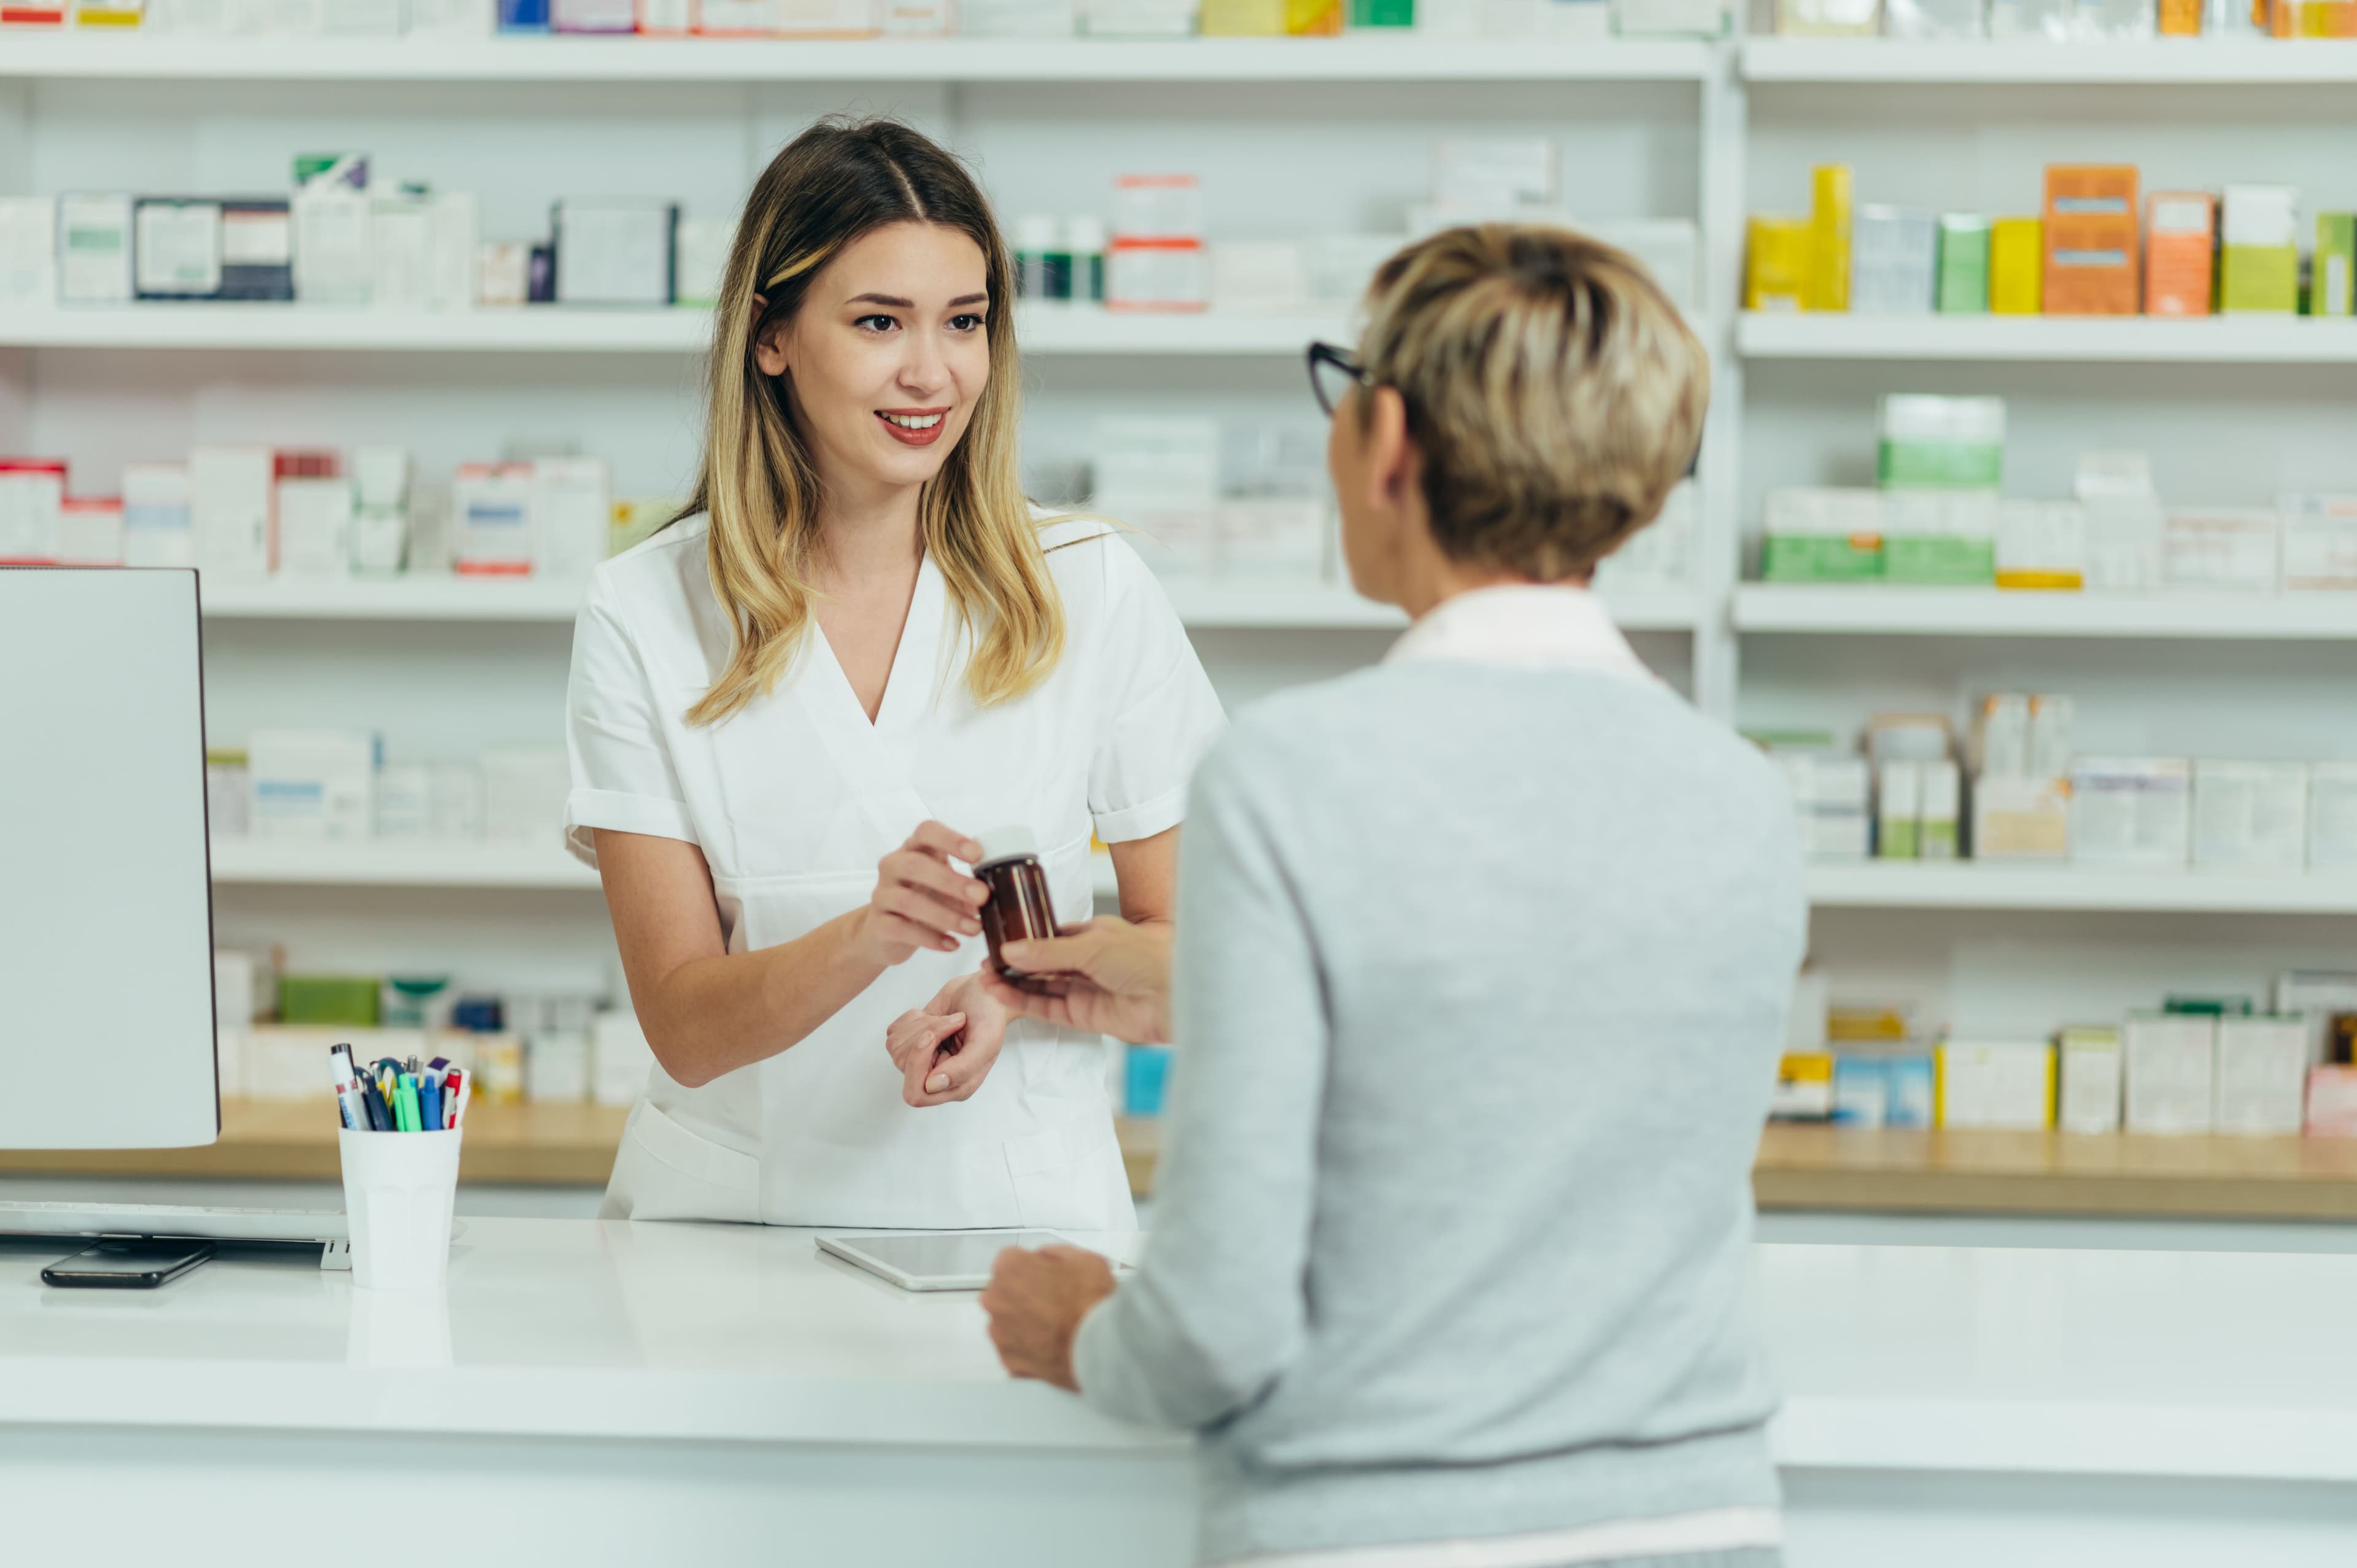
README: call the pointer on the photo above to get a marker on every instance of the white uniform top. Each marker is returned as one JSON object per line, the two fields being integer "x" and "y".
{"x": 795, "y": 799}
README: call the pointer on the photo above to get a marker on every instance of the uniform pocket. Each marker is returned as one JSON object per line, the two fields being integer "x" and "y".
{"x": 663, "y": 1171}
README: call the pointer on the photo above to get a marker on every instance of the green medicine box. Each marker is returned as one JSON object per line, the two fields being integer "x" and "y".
{"x": 1822, "y": 558}
{"x": 1938, "y": 562}
{"x": 2332, "y": 285}
{"x": 1383, "y": 13}
{"x": 1963, "y": 264}
{"x": 329, "y": 999}
{"x": 2258, "y": 280}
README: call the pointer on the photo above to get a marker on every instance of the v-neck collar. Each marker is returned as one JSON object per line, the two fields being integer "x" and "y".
{"x": 912, "y": 659}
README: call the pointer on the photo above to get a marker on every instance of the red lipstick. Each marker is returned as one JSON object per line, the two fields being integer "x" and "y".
{"x": 936, "y": 421}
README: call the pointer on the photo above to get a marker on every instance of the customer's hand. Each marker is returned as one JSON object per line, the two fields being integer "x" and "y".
{"x": 1108, "y": 977}
{"x": 920, "y": 900}
{"x": 946, "y": 1048}
{"x": 1036, "y": 1302}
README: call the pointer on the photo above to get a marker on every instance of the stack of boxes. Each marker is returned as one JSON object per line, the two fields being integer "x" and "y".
{"x": 1933, "y": 520}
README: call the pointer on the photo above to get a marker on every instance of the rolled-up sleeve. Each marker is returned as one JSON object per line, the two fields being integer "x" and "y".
{"x": 1217, "y": 1311}
{"x": 1159, "y": 712}
{"x": 623, "y": 775}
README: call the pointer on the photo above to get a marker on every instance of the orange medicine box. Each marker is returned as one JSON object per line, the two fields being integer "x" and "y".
{"x": 2180, "y": 244}
{"x": 2091, "y": 240}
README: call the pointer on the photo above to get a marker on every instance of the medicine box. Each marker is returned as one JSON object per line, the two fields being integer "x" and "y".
{"x": 2017, "y": 266}
{"x": 2090, "y": 237}
{"x": 32, "y": 501}
{"x": 28, "y": 252}
{"x": 1938, "y": 836}
{"x": 1995, "y": 1083}
{"x": 1894, "y": 261}
{"x": 1941, "y": 443}
{"x": 2262, "y": 1076}
{"x": 2332, "y": 816}
{"x": 176, "y": 248}
{"x": 89, "y": 532}
{"x": 2332, "y": 271}
{"x": 2258, "y": 252}
{"x": 1832, "y": 799}
{"x": 572, "y": 516}
{"x": 2021, "y": 818}
{"x": 2041, "y": 545}
{"x": 2088, "y": 1062}
{"x": 1490, "y": 176}
{"x": 2170, "y": 1067}
{"x": 491, "y": 520}
{"x": 1963, "y": 264}
{"x": 2222, "y": 548}
{"x": 314, "y": 524}
{"x": 1670, "y": 250}
{"x": 614, "y": 252}
{"x": 156, "y": 529}
{"x": 2331, "y": 1103}
{"x": 257, "y": 250}
{"x": 2179, "y": 237}
{"x": 620, "y": 1058}
{"x": 1829, "y": 250}
{"x": 2318, "y": 541}
{"x": 1822, "y": 536}
{"x": 1898, "y": 811}
{"x": 2250, "y": 816}
{"x": 2131, "y": 811}
{"x": 1939, "y": 537}
{"x": 1804, "y": 1087}
{"x": 1861, "y": 1091}
{"x": 2125, "y": 524}
{"x": 524, "y": 788}
{"x": 1777, "y": 253}
{"x": 2317, "y": 997}
{"x": 311, "y": 784}
{"x": 1829, "y": 18}
{"x": 233, "y": 494}
{"x": 329, "y": 999}
{"x": 1161, "y": 476}
{"x": 93, "y": 248}
{"x": 334, "y": 257}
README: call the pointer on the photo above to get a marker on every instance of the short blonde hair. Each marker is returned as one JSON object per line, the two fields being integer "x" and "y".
{"x": 1556, "y": 393}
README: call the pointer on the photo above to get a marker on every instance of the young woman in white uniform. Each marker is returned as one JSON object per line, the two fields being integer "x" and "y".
{"x": 862, "y": 633}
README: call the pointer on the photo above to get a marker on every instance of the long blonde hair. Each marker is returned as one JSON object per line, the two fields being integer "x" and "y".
{"x": 835, "y": 182}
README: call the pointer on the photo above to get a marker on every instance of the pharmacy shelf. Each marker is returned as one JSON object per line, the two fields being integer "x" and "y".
{"x": 2162, "y": 62}
{"x": 1868, "y": 611}
{"x": 1965, "y": 884}
{"x": 1211, "y": 606}
{"x": 1955, "y": 1171}
{"x": 557, "y": 329}
{"x": 2129, "y": 340}
{"x": 1081, "y": 60}
{"x": 295, "y": 1140}
{"x": 421, "y": 598}
{"x": 396, "y": 862}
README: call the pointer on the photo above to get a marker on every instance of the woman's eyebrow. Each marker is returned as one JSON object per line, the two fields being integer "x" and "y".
{"x": 898, "y": 304}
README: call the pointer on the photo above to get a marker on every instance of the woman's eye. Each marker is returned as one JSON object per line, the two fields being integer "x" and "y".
{"x": 968, "y": 323}
{"x": 875, "y": 323}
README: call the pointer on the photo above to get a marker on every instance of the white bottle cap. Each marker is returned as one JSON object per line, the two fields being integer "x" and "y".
{"x": 1035, "y": 234}
{"x": 1005, "y": 843}
{"x": 1084, "y": 236}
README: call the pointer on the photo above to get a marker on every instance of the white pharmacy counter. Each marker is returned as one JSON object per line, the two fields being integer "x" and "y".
{"x": 593, "y": 1393}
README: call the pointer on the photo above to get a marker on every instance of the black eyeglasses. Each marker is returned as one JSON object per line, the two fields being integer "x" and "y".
{"x": 1332, "y": 373}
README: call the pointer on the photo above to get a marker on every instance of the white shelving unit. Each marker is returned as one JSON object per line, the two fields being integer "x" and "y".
{"x": 1870, "y": 611}
{"x": 1965, "y": 885}
{"x": 2013, "y": 339}
{"x": 399, "y": 863}
{"x": 551, "y": 329}
{"x": 1090, "y": 61}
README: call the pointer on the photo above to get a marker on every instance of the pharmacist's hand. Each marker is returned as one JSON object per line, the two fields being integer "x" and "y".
{"x": 1036, "y": 1302}
{"x": 1108, "y": 977}
{"x": 946, "y": 1048}
{"x": 920, "y": 900}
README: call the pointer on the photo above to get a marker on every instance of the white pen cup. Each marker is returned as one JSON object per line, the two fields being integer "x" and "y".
{"x": 399, "y": 1191}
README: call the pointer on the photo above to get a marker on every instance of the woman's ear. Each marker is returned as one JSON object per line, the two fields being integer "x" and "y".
{"x": 1395, "y": 466}
{"x": 770, "y": 342}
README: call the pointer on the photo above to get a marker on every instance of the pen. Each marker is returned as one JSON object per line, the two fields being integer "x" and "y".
{"x": 405, "y": 1104}
{"x": 348, "y": 1090}
{"x": 429, "y": 1101}
{"x": 466, "y": 1089}
{"x": 454, "y": 1092}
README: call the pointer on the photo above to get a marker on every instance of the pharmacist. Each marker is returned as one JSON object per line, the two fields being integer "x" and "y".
{"x": 861, "y": 634}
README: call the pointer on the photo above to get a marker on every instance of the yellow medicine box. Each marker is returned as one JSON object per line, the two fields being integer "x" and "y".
{"x": 2017, "y": 266}
{"x": 1244, "y": 18}
{"x": 1829, "y": 220}
{"x": 1776, "y": 267}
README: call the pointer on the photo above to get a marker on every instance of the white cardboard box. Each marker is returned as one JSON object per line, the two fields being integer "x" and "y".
{"x": 2088, "y": 1062}
{"x": 2262, "y": 1076}
{"x": 2131, "y": 811}
{"x": 2170, "y": 1069}
{"x": 311, "y": 784}
{"x": 1995, "y": 1083}
{"x": 2250, "y": 816}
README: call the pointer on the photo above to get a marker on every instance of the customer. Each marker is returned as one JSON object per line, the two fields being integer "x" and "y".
{"x": 1482, "y": 960}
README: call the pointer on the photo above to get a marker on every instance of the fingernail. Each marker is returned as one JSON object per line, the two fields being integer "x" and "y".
{"x": 936, "y": 1083}
{"x": 970, "y": 928}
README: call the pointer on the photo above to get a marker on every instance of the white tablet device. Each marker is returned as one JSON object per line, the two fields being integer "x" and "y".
{"x": 934, "y": 1259}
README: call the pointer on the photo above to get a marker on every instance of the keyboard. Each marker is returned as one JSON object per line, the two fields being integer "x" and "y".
{"x": 57, "y": 1218}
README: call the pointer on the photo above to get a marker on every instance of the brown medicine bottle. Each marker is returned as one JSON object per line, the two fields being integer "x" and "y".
{"x": 1019, "y": 909}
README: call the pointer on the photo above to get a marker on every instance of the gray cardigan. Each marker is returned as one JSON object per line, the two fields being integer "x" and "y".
{"x": 1482, "y": 980}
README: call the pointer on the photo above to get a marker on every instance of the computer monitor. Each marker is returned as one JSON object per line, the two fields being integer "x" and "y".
{"x": 106, "y": 947}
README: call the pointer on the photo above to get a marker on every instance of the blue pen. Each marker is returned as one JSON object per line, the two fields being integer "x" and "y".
{"x": 429, "y": 1101}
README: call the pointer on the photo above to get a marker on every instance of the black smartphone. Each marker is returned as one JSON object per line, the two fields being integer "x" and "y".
{"x": 126, "y": 1265}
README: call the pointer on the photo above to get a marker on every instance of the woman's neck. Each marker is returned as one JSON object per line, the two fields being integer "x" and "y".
{"x": 865, "y": 534}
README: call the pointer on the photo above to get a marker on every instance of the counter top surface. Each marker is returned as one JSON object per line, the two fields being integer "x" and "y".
{"x": 1935, "y": 1357}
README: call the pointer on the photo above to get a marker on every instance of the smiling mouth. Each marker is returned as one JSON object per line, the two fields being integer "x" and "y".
{"x": 914, "y": 427}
